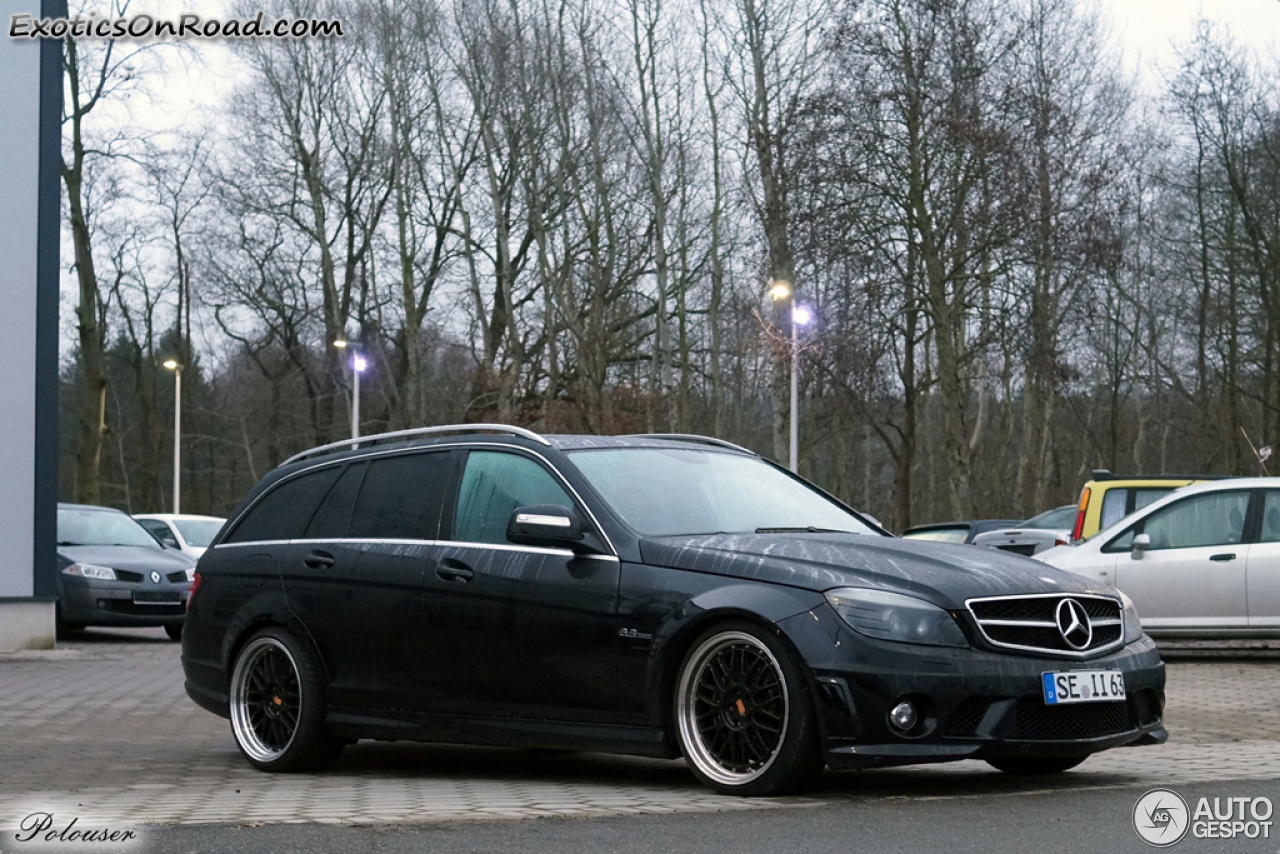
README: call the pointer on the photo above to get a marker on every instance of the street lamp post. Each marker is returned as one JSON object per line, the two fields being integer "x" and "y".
{"x": 172, "y": 364}
{"x": 358, "y": 364}
{"x": 800, "y": 316}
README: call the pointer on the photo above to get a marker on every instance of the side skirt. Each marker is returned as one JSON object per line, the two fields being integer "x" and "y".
{"x": 501, "y": 732}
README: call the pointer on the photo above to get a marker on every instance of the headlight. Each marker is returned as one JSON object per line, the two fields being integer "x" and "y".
{"x": 1132, "y": 623}
{"x": 894, "y": 617}
{"x": 191, "y": 574}
{"x": 89, "y": 570}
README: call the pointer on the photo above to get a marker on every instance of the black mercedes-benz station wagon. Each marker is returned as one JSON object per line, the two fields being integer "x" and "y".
{"x": 653, "y": 595}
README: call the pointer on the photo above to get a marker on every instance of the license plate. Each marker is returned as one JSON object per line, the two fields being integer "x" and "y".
{"x": 1082, "y": 686}
{"x": 156, "y": 597}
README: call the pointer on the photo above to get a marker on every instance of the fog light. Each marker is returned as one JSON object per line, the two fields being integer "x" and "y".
{"x": 903, "y": 717}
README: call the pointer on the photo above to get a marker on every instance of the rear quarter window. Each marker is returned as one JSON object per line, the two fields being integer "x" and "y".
{"x": 284, "y": 511}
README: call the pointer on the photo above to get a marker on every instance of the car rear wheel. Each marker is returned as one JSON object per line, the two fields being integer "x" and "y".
{"x": 277, "y": 705}
{"x": 1030, "y": 766}
{"x": 743, "y": 714}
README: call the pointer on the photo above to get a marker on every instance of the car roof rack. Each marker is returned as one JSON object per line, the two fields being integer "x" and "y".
{"x": 691, "y": 437}
{"x": 419, "y": 431}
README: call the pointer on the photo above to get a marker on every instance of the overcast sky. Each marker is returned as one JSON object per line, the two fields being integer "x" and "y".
{"x": 1145, "y": 29}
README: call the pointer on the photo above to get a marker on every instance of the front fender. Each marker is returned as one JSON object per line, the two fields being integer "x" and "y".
{"x": 766, "y": 605}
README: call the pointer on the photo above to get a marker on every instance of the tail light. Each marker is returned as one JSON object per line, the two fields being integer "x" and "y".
{"x": 195, "y": 585}
{"x": 1078, "y": 530}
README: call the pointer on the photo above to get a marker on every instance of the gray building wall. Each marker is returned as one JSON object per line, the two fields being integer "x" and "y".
{"x": 19, "y": 243}
{"x": 30, "y": 231}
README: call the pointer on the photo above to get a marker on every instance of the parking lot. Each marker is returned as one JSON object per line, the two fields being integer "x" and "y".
{"x": 100, "y": 728}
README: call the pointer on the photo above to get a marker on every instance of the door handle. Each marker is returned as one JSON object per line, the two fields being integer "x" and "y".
{"x": 1222, "y": 558}
{"x": 454, "y": 570}
{"x": 318, "y": 559}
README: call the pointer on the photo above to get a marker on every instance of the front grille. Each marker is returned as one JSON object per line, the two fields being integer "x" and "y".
{"x": 1029, "y": 623}
{"x": 177, "y": 577}
{"x": 126, "y": 575}
{"x": 1032, "y": 720}
{"x": 965, "y": 719}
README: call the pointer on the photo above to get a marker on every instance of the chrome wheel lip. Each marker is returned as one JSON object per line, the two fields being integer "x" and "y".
{"x": 696, "y": 749}
{"x": 241, "y": 725}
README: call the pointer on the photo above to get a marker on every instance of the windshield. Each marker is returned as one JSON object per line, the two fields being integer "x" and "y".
{"x": 1060, "y": 517}
{"x": 664, "y": 492}
{"x": 198, "y": 532}
{"x": 85, "y": 527}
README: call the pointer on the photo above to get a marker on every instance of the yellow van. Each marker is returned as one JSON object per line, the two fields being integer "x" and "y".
{"x": 1110, "y": 497}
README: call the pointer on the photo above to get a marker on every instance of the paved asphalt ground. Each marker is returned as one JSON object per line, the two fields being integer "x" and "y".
{"x": 100, "y": 731}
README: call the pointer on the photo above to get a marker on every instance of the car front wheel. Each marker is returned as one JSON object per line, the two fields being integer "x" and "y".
{"x": 743, "y": 714}
{"x": 277, "y": 705}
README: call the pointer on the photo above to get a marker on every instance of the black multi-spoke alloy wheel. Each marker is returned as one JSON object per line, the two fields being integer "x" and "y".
{"x": 173, "y": 630}
{"x": 1027, "y": 766}
{"x": 277, "y": 705}
{"x": 743, "y": 713}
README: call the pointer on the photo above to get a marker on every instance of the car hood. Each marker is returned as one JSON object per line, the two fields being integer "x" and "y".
{"x": 132, "y": 558}
{"x": 942, "y": 573}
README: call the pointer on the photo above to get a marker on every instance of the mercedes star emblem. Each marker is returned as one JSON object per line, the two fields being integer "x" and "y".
{"x": 1073, "y": 624}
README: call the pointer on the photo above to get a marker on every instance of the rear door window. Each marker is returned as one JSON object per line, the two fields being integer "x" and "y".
{"x": 283, "y": 513}
{"x": 402, "y": 497}
{"x": 1270, "y": 532}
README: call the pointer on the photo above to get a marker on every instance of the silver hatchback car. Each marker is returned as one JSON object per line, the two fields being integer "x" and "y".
{"x": 1201, "y": 561}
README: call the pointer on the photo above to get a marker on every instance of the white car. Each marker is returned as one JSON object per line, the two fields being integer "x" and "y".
{"x": 189, "y": 534}
{"x": 1201, "y": 561}
{"x": 1037, "y": 534}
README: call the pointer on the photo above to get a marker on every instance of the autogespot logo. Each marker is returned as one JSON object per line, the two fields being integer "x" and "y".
{"x": 1160, "y": 817}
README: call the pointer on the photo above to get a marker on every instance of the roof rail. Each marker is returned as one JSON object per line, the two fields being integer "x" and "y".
{"x": 691, "y": 437}
{"x": 419, "y": 431}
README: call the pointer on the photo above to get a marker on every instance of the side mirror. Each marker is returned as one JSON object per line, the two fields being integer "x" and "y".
{"x": 169, "y": 543}
{"x": 1141, "y": 542}
{"x": 548, "y": 525}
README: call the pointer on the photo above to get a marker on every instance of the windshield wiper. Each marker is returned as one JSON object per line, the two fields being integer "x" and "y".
{"x": 68, "y": 543}
{"x": 809, "y": 529}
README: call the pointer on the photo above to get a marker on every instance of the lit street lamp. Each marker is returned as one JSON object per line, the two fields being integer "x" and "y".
{"x": 800, "y": 316}
{"x": 172, "y": 364}
{"x": 358, "y": 364}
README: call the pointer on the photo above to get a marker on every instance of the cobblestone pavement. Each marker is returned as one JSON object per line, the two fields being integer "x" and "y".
{"x": 102, "y": 729}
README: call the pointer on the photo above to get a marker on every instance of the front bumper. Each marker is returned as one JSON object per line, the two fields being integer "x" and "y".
{"x": 973, "y": 703}
{"x": 112, "y": 603}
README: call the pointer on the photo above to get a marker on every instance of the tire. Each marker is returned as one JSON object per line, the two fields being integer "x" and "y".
{"x": 743, "y": 713}
{"x": 174, "y": 631}
{"x": 1026, "y": 766}
{"x": 64, "y": 629}
{"x": 278, "y": 705}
